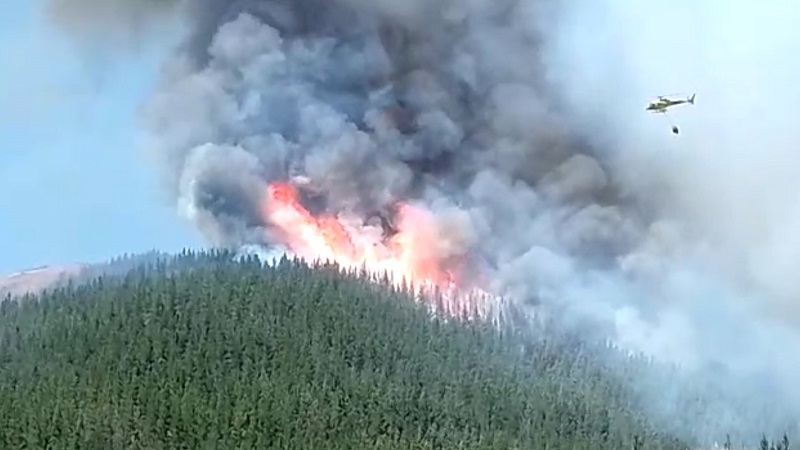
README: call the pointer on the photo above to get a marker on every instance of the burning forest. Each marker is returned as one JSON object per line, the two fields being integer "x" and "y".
{"x": 404, "y": 247}
{"x": 400, "y": 141}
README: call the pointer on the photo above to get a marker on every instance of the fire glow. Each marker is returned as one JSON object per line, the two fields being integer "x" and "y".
{"x": 408, "y": 256}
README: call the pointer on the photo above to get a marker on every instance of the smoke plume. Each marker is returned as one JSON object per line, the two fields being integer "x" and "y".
{"x": 527, "y": 118}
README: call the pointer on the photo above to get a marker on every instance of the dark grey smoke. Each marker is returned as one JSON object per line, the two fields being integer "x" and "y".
{"x": 450, "y": 103}
{"x": 377, "y": 102}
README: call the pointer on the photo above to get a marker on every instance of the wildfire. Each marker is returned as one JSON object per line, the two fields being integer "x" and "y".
{"x": 411, "y": 254}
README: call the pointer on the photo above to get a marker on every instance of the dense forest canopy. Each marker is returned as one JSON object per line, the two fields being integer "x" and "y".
{"x": 204, "y": 350}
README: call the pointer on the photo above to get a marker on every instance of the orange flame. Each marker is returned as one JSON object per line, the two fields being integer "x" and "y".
{"x": 411, "y": 254}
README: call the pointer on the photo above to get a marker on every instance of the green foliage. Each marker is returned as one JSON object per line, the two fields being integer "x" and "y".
{"x": 202, "y": 352}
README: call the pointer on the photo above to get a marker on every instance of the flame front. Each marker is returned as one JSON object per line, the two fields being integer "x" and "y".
{"x": 410, "y": 255}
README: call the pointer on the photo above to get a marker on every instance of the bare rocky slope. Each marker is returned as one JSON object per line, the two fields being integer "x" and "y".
{"x": 35, "y": 279}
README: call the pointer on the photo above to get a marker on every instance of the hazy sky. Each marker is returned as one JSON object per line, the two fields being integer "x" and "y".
{"x": 73, "y": 184}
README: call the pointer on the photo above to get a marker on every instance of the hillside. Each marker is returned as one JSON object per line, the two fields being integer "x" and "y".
{"x": 204, "y": 351}
{"x": 233, "y": 355}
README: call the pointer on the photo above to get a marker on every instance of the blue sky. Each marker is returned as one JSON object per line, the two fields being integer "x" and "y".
{"x": 74, "y": 186}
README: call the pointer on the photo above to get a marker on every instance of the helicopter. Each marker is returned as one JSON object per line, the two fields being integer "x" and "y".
{"x": 662, "y": 103}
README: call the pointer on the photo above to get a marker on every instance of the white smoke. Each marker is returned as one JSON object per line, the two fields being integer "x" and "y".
{"x": 721, "y": 268}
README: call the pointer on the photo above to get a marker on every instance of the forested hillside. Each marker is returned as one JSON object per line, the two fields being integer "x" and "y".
{"x": 204, "y": 352}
